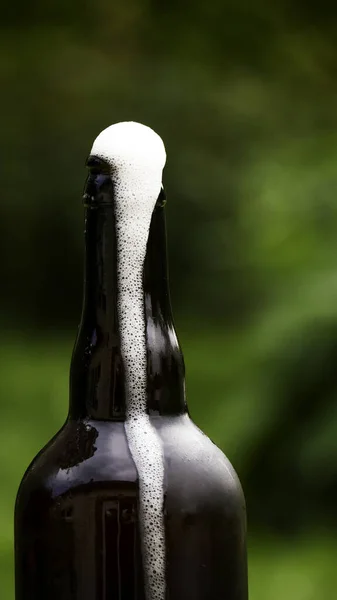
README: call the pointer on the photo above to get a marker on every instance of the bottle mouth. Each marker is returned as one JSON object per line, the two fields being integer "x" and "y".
{"x": 99, "y": 188}
{"x": 161, "y": 201}
{"x": 97, "y": 165}
{"x": 99, "y": 185}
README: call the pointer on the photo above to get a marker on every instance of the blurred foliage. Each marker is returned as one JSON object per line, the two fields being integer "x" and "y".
{"x": 244, "y": 96}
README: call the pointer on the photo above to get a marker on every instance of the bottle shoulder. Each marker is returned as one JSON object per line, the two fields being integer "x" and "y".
{"x": 195, "y": 467}
{"x": 96, "y": 453}
{"x": 81, "y": 453}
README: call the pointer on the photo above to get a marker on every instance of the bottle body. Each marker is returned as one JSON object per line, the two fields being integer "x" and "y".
{"x": 77, "y": 524}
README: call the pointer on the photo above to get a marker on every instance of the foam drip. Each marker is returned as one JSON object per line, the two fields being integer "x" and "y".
{"x": 137, "y": 156}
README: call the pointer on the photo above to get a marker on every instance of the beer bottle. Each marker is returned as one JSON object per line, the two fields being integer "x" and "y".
{"x": 129, "y": 500}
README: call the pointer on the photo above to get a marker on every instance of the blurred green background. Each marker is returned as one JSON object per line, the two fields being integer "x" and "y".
{"x": 244, "y": 96}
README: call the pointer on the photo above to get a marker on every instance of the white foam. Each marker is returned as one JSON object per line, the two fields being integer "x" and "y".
{"x": 136, "y": 155}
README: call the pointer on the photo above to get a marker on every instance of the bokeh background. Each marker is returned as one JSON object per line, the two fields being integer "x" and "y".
{"x": 244, "y": 95}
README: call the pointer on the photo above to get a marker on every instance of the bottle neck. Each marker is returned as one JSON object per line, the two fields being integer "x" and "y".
{"x": 97, "y": 375}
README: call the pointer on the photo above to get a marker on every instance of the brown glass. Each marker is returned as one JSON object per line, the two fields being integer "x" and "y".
{"x": 77, "y": 533}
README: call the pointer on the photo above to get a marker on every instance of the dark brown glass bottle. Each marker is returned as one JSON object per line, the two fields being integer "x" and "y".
{"x": 78, "y": 529}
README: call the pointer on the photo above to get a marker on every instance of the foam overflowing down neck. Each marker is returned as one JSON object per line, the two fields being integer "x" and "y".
{"x": 136, "y": 156}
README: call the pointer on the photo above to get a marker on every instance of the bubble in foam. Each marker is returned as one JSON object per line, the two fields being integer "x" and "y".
{"x": 136, "y": 155}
